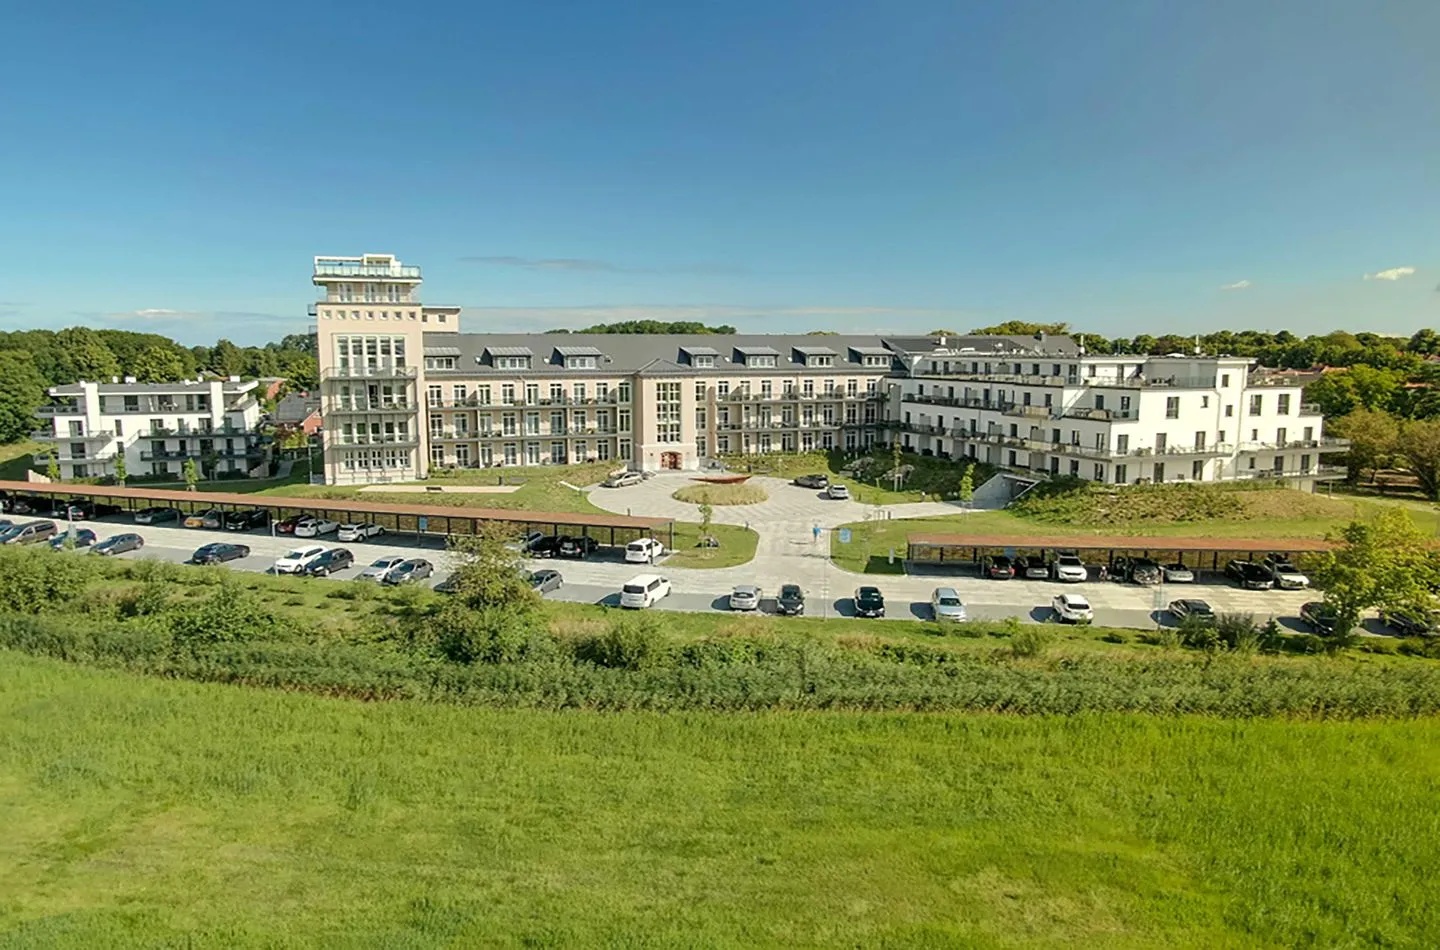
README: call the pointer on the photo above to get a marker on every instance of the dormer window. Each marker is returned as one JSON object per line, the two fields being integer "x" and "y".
{"x": 580, "y": 362}
{"x": 509, "y": 357}
{"x": 703, "y": 362}
{"x": 579, "y": 357}
{"x": 760, "y": 361}
{"x": 819, "y": 362}
{"x": 875, "y": 360}
{"x": 512, "y": 362}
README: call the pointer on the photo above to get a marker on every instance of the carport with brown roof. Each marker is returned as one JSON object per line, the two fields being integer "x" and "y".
{"x": 432, "y": 520}
{"x": 1202, "y": 553}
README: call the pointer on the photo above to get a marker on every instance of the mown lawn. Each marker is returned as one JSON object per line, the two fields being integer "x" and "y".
{"x": 931, "y": 480}
{"x": 15, "y": 459}
{"x": 146, "y": 812}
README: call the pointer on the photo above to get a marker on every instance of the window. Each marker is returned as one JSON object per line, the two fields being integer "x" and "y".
{"x": 557, "y": 423}
{"x": 817, "y": 361}
{"x": 532, "y": 394}
{"x": 1204, "y": 402}
{"x": 1229, "y": 410}
{"x": 507, "y": 394}
{"x": 1075, "y": 468}
{"x": 1197, "y": 470}
{"x": 1224, "y": 379}
{"x": 699, "y": 392}
{"x": 580, "y": 362}
{"x": 132, "y": 403}
{"x": 1122, "y": 474}
{"x": 532, "y": 424}
{"x": 437, "y": 455}
{"x": 512, "y": 362}
{"x": 852, "y": 387}
{"x": 1172, "y": 407}
{"x": 760, "y": 361}
{"x": 703, "y": 361}
{"x": 460, "y": 392}
{"x": 622, "y": 392}
{"x": 432, "y": 395}
{"x": 667, "y": 412}
{"x": 622, "y": 422}
{"x": 557, "y": 453}
{"x": 557, "y": 392}
{"x": 1162, "y": 441}
{"x": 1199, "y": 441}
{"x": 579, "y": 390}
{"x": 808, "y": 388}
{"x": 1283, "y": 404}
{"x": 624, "y": 452}
{"x": 1257, "y": 403}
{"x": 437, "y": 427}
{"x": 1281, "y": 436}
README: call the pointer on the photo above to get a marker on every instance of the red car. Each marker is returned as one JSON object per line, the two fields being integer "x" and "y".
{"x": 288, "y": 525}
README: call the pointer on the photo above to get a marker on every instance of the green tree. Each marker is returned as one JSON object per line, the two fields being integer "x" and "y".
{"x": 191, "y": 473}
{"x": 967, "y": 484}
{"x": 1382, "y": 563}
{"x": 22, "y": 391}
{"x": 227, "y": 359}
{"x": 1373, "y": 436}
{"x": 1426, "y": 342}
{"x": 120, "y": 472}
{"x": 489, "y": 572}
{"x": 52, "y": 468}
{"x": 158, "y": 364}
{"x": 1023, "y": 328}
{"x": 707, "y": 516}
{"x": 83, "y": 354}
{"x": 1419, "y": 445}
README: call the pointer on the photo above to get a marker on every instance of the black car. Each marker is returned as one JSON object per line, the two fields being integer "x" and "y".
{"x": 813, "y": 481}
{"x": 869, "y": 602}
{"x": 545, "y": 581}
{"x": 1411, "y": 623}
{"x": 998, "y": 567}
{"x": 1319, "y": 616}
{"x": 578, "y": 546}
{"x": 119, "y": 544}
{"x": 335, "y": 559}
{"x": 790, "y": 601}
{"x": 74, "y": 538}
{"x": 408, "y": 572}
{"x": 219, "y": 553}
{"x": 1249, "y": 575}
{"x": 1193, "y": 610}
{"x": 156, "y": 515}
{"x": 75, "y": 511}
{"x": 246, "y": 520}
{"x": 546, "y": 545}
{"x": 449, "y": 585}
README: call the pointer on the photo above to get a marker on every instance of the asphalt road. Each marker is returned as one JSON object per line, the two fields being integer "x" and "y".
{"x": 598, "y": 579}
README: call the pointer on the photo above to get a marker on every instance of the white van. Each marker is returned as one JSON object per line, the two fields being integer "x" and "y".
{"x": 644, "y": 551}
{"x": 643, "y": 591}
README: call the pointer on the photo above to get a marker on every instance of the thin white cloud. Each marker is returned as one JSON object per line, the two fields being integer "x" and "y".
{"x": 150, "y": 312}
{"x": 1394, "y": 273}
{"x": 1238, "y": 285}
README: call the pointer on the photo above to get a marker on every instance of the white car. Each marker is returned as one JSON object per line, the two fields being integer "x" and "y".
{"x": 380, "y": 567}
{"x": 297, "y": 560}
{"x": 623, "y": 480}
{"x": 1069, "y": 569}
{"x": 314, "y": 527}
{"x": 838, "y": 492}
{"x": 1177, "y": 573}
{"x": 1287, "y": 576}
{"x": 644, "y": 551}
{"x": 643, "y": 591}
{"x": 945, "y": 604}
{"x": 1072, "y": 608}
{"x": 363, "y": 531}
{"x": 745, "y": 597}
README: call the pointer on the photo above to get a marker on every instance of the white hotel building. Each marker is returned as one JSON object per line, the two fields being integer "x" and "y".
{"x": 1043, "y": 405}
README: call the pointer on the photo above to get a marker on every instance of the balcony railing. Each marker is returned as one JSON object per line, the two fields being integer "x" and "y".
{"x": 369, "y": 372}
{"x": 59, "y": 410}
{"x": 1326, "y": 444}
{"x": 1102, "y": 415}
{"x": 355, "y": 406}
{"x": 376, "y": 440}
{"x": 959, "y": 402}
{"x": 355, "y": 269}
{"x": 1131, "y": 382}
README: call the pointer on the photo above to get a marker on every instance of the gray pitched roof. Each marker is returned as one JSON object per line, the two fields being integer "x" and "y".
{"x": 442, "y": 351}
{"x": 578, "y": 351}
{"x": 509, "y": 351}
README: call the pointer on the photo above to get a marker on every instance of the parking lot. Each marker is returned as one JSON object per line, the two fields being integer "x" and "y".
{"x": 829, "y": 591}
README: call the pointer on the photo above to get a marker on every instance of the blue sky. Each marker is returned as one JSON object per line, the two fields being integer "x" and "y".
{"x": 778, "y": 166}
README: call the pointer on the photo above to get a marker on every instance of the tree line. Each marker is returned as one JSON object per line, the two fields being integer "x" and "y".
{"x": 31, "y": 361}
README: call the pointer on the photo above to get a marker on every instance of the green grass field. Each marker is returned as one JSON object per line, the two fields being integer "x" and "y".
{"x": 141, "y": 813}
{"x": 15, "y": 459}
{"x": 739, "y": 494}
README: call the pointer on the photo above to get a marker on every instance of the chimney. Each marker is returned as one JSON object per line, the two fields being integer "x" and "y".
{"x": 940, "y": 341}
{"x": 129, "y": 379}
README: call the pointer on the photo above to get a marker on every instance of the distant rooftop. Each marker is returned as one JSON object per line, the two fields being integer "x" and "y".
{"x": 369, "y": 265}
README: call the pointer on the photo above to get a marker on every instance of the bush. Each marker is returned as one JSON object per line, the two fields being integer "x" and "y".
{"x": 1238, "y": 632}
{"x": 489, "y": 635}
{"x": 1199, "y": 634}
{"x": 630, "y": 644}
{"x": 718, "y": 494}
{"x": 41, "y": 580}
{"x": 356, "y": 589}
{"x": 229, "y": 614}
{"x": 1032, "y": 641}
{"x": 1383, "y": 646}
{"x": 1420, "y": 646}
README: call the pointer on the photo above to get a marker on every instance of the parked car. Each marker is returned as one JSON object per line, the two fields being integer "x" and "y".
{"x": 313, "y": 527}
{"x": 945, "y": 604}
{"x": 246, "y": 520}
{"x": 545, "y": 581}
{"x": 287, "y": 525}
{"x": 1319, "y": 616}
{"x": 380, "y": 567}
{"x": 578, "y": 546}
{"x": 998, "y": 567}
{"x": 219, "y": 553}
{"x": 119, "y": 544}
{"x": 644, "y": 591}
{"x": 1033, "y": 567}
{"x": 212, "y": 519}
{"x": 545, "y": 546}
{"x": 623, "y": 480}
{"x": 1142, "y": 570}
{"x": 28, "y": 533}
{"x": 838, "y": 492}
{"x": 334, "y": 559}
{"x": 644, "y": 551}
{"x": 1069, "y": 569}
{"x": 449, "y": 585}
{"x": 409, "y": 571}
{"x": 813, "y": 481}
{"x": 790, "y": 601}
{"x": 869, "y": 602}
{"x": 298, "y": 560}
{"x": 1412, "y": 623}
{"x": 1177, "y": 573}
{"x": 74, "y": 538}
{"x": 1249, "y": 575}
{"x": 74, "y": 511}
{"x": 1072, "y": 608}
{"x": 1285, "y": 574}
{"x": 362, "y": 531}
{"x": 156, "y": 515}
{"x": 1198, "y": 609}
{"x": 745, "y": 597}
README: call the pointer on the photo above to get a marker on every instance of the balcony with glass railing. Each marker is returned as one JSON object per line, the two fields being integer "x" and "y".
{"x": 369, "y": 372}
{"x": 360, "y": 270}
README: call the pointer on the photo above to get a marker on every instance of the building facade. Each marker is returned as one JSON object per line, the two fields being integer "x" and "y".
{"x": 404, "y": 391}
{"x": 1043, "y": 405}
{"x": 157, "y": 426}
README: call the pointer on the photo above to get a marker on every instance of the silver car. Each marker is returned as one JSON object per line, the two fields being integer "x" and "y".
{"x": 945, "y": 604}
{"x": 381, "y": 567}
{"x": 745, "y": 597}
